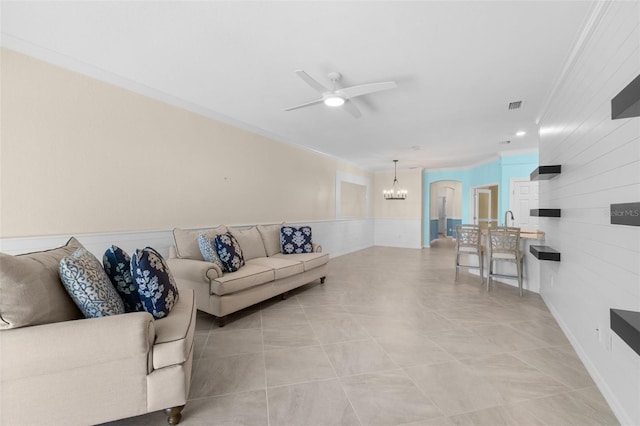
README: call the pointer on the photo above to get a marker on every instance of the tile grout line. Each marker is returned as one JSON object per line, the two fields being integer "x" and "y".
{"x": 264, "y": 363}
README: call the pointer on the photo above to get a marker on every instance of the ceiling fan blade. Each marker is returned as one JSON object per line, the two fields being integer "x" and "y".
{"x": 352, "y": 108}
{"x": 317, "y": 101}
{"x": 312, "y": 82}
{"x": 365, "y": 89}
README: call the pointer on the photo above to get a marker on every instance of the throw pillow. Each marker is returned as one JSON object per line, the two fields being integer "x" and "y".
{"x": 31, "y": 292}
{"x": 89, "y": 286}
{"x": 296, "y": 240}
{"x": 229, "y": 252}
{"x": 187, "y": 242}
{"x": 270, "y": 238}
{"x": 208, "y": 247}
{"x": 117, "y": 265}
{"x": 156, "y": 286}
{"x": 250, "y": 241}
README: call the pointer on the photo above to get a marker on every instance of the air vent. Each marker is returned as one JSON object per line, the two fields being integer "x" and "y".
{"x": 515, "y": 105}
{"x": 504, "y": 142}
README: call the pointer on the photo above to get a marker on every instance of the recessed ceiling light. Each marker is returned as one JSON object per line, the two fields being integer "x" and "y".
{"x": 521, "y": 133}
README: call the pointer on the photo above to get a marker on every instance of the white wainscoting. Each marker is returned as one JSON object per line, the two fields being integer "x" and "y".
{"x": 95, "y": 243}
{"x": 337, "y": 237}
{"x": 406, "y": 233}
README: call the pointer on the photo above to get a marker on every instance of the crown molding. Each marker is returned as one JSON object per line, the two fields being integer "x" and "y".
{"x": 598, "y": 11}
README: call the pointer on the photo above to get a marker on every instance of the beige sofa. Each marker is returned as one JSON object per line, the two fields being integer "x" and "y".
{"x": 60, "y": 369}
{"x": 267, "y": 272}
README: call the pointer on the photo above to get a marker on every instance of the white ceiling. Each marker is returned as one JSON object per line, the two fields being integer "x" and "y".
{"x": 457, "y": 64}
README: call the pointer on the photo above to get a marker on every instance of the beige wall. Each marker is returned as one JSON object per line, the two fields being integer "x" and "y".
{"x": 411, "y": 208}
{"x": 353, "y": 199}
{"x": 79, "y": 155}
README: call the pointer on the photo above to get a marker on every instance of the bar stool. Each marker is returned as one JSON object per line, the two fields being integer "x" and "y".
{"x": 469, "y": 242}
{"x": 504, "y": 246}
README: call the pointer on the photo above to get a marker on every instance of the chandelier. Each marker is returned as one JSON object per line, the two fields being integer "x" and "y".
{"x": 395, "y": 193}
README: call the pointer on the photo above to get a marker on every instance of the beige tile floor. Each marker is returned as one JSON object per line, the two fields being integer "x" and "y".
{"x": 390, "y": 339}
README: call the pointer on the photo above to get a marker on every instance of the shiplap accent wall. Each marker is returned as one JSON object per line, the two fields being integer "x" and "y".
{"x": 600, "y": 158}
{"x": 337, "y": 237}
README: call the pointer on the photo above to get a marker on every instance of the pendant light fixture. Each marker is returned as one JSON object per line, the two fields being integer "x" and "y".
{"x": 395, "y": 193}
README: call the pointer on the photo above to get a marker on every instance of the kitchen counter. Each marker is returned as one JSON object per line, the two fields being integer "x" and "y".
{"x": 528, "y": 234}
{"x": 531, "y": 266}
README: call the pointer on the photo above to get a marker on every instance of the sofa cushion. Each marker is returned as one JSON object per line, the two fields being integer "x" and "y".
{"x": 309, "y": 260}
{"x": 187, "y": 242}
{"x": 295, "y": 240}
{"x": 117, "y": 265}
{"x": 250, "y": 242}
{"x": 281, "y": 267}
{"x": 31, "y": 290}
{"x": 229, "y": 252}
{"x": 174, "y": 334}
{"x": 89, "y": 286}
{"x": 246, "y": 277}
{"x": 206, "y": 242}
{"x": 270, "y": 238}
{"x": 156, "y": 285}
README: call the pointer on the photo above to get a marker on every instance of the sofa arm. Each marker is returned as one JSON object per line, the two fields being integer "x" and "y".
{"x": 194, "y": 270}
{"x": 69, "y": 345}
{"x": 317, "y": 248}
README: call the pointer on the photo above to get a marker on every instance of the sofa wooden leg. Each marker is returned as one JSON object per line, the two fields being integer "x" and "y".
{"x": 174, "y": 414}
{"x": 222, "y": 321}
{"x": 284, "y": 295}
{"x": 322, "y": 280}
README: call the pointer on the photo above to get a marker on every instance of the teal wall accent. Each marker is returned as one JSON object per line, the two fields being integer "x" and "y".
{"x": 499, "y": 172}
{"x": 451, "y": 226}
{"x": 434, "y": 227}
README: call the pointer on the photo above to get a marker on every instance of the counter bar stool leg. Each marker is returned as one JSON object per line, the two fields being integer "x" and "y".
{"x": 469, "y": 242}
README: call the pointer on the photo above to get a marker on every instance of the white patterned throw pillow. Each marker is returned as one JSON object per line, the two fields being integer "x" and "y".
{"x": 89, "y": 286}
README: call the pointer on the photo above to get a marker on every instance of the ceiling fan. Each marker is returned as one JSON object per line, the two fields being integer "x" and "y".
{"x": 337, "y": 96}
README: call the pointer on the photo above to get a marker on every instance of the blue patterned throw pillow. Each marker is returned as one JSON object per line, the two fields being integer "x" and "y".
{"x": 229, "y": 252}
{"x": 156, "y": 286}
{"x": 295, "y": 240}
{"x": 89, "y": 286}
{"x": 206, "y": 242}
{"x": 117, "y": 265}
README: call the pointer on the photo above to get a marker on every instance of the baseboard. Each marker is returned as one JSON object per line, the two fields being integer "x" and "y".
{"x": 606, "y": 391}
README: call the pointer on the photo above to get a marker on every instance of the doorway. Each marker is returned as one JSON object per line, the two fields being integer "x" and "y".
{"x": 445, "y": 208}
{"x": 524, "y": 197}
{"x": 484, "y": 200}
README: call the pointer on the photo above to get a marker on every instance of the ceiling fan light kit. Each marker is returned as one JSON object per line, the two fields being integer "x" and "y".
{"x": 395, "y": 193}
{"x": 333, "y": 101}
{"x": 336, "y": 97}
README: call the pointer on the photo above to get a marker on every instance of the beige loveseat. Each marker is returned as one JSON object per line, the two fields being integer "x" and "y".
{"x": 267, "y": 272}
{"x": 58, "y": 368}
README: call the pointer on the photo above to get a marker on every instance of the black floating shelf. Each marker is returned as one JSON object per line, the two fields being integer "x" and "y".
{"x": 545, "y": 212}
{"x": 626, "y": 324}
{"x": 626, "y": 104}
{"x": 546, "y": 172}
{"x": 545, "y": 253}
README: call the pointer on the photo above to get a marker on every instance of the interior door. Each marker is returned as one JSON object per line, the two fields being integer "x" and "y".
{"x": 524, "y": 197}
{"x": 482, "y": 207}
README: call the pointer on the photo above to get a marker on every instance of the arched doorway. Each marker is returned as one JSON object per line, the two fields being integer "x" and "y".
{"x": 445, "y": 208}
